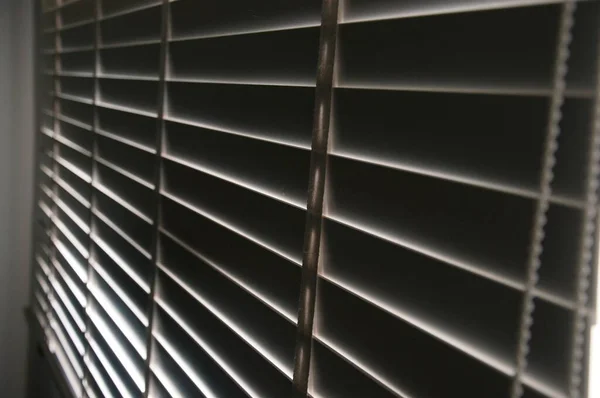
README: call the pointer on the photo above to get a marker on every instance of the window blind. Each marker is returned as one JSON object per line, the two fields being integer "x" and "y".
{"x": 318, "y": 198}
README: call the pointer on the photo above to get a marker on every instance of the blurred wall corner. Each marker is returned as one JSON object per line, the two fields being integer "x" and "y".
{"x": 17, "y": 120}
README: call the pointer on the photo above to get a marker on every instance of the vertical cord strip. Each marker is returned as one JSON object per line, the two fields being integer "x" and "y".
{"x": 93, "y": 192}
{"x": 316, "y": 191}
{"x": 52, "y": 231}
{"x": 49, "y": 229}
{"x": 165, "y": 28}
{"x": 587, "y": 245}
{"x": 540, "y": 217}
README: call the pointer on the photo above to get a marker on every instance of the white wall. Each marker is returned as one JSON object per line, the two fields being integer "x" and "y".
{"x": 5, "y": 126}
{"x": 16, "y": 180}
